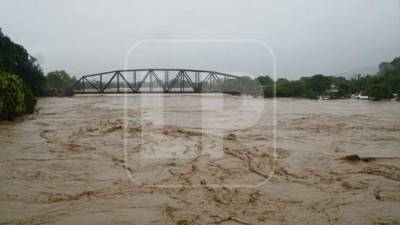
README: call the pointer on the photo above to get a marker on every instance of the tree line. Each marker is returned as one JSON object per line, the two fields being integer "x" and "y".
{"x": 22, "y": 80}
{"x": 383, "y": 85}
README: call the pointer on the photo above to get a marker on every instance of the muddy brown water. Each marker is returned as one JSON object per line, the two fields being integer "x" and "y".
{"x": 190, "y": 159}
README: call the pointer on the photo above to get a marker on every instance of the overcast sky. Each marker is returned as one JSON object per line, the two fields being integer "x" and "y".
{"x": 306, "y": 36}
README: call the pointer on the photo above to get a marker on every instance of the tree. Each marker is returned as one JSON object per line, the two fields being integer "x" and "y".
{"x": 58, "y": 83}
{"x": 380, "y": 91}
{"x": 342, "y": 87}
{"x": 13, "y": 101}
{"x": 265, "y": 80}
{"x": 283, "y": 88}
{"x": 359, "y": 85}
{"x": 15, "y": 59}
{"x": 392, "y": 76}
{"x": 318, "y": 84}
{"x": 298, "y": 88}
{"x": 269, "y": 91}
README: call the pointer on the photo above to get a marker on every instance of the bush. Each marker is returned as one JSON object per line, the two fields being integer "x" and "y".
{"x": 15, "y": 98}
{"x": 29, "y": 100}
{"x": 11, "y": 96}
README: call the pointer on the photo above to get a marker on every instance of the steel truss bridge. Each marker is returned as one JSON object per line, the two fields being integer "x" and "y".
{"x": 155, "y": 81}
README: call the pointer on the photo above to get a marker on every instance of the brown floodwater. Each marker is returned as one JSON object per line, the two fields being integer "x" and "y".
{"x": 201, "y": 159}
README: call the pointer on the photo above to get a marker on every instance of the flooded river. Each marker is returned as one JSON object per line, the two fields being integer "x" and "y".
{"x": 201, "y": 159}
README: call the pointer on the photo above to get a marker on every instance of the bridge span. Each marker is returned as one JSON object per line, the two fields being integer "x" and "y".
{"x": 157, "y": 81}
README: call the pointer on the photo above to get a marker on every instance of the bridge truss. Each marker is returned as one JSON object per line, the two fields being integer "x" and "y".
{"x": 154, "y": 81}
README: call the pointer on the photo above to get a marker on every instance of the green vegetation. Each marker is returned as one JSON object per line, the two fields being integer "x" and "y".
{"x": 15, "y": 59}
{"x": 265, "y": 80}
{"x": 383, "y": 85}
{"x": 245, "y": 85}
{"x": 21, "y": 79}
{"x": 15, "y": 98}
{"x": 58, "y": 83}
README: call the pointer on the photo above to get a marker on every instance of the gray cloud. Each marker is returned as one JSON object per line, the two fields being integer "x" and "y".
{"x": 307, "y": 36}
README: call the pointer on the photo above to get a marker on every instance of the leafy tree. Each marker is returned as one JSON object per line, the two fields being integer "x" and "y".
{"x": 12, "y": 97}
{"x": 283, "y": 88}
{"x": 380, "y": 91}
{"x": 265, "y": 80}
{"x": 359, "y": 85}
{"x": 15, "y": 59}
{"x": 342, "y": 87}
{"x": 318, "y": 84}
{"x": 386, "y": 82}
{"x": 20, "y": 79}
{"x": 58, "y": 83}
{"x": 392, "y": 78}
{"x": 269, "y": 91}
{"x": 298, "y": 88}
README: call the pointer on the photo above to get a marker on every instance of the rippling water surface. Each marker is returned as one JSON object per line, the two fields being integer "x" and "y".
{"x": 201, "y": 159}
